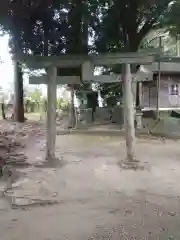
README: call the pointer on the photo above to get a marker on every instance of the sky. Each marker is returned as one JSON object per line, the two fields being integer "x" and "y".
{"x": 6, "y": 67}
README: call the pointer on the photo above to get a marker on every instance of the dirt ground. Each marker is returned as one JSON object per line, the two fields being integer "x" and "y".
{"x": 87, "y": 196}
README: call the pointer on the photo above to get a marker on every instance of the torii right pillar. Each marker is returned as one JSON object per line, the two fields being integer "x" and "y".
{"x": 128, "y": 114}
{"x": 51, "y": 114}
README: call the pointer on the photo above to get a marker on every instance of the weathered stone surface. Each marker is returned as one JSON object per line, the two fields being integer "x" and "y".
{"x": 118, "y": 115}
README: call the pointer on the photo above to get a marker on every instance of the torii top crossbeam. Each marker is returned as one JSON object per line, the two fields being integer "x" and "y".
{"x": 65, "y": 61}
{"x": 86, "y": 63}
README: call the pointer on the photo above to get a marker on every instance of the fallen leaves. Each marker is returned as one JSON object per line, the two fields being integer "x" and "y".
{"x": 9, "y": 149}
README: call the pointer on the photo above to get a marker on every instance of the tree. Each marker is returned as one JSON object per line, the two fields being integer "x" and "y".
{"x": 2, "y": 98}
{"x": 171, "y": 19}
{"x": 54, "y": 27}
{"x": 18, "y": 113}
{"x": 30, "y": 28}
{"x": 124, "y": 24}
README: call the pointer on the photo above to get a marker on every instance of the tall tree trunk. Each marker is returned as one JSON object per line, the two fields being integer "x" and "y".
{"x": 3, "y": 111}
{"x": 18, "y": 114}
{"x": 72, "y": 114}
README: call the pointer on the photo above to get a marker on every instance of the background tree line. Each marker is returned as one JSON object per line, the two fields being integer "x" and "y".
{"x": 34, "y": 102}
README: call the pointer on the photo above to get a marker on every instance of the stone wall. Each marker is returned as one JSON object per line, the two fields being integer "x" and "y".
{"x": 104, "y": 114}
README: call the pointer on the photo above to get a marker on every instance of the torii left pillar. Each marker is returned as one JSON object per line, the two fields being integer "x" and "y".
{"x": 51, "y": 113}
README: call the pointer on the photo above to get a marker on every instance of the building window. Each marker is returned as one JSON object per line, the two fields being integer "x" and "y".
{"x": 174, "y": 89}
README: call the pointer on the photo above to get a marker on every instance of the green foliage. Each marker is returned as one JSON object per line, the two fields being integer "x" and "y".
{"x": 171, "y": 19}
{"x": 82, "y": 90}
{"x": 122, "y": 28}
{"x": 125, "y": 23}
{"x": 111, "y": 93}
{"x": 36, "y": 95}
{"x": 44, "y": 27}
{"x": 61, "y": 104}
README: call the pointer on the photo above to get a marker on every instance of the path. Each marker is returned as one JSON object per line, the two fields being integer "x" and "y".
{"x": 88, "y": 196}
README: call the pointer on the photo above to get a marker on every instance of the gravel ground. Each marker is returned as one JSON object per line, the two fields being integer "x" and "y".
{"x": 86, "y": 195}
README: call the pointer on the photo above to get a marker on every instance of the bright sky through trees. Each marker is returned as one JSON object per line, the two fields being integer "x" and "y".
{"x": 6, "y": 68}
{"x": 6, "y": 71}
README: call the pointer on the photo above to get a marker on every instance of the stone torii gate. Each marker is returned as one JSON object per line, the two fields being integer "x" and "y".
{"x": 86, "y": 64}
{"x": 140, "y": 76}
